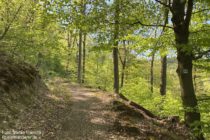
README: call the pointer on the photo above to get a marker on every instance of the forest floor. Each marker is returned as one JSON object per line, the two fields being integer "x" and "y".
{"x": 71, "y": 112}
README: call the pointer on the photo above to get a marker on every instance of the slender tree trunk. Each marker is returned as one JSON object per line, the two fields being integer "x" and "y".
{"x": 163, "y": 76}
{"x": 152, "y": 72}
{"x": 122, "y": 76}
{"x": 123, "y": 64}
{"x": 79, "y": 72}
{"x": 116, "y": 70}
{"x": 39, "y": 58}
{"x": 84, "y": 58}
{"x": 69, "y": 41}
{"x": 115, "y": 49}
{"x": 181, "y": 20}
{"x": 194, "y": 78}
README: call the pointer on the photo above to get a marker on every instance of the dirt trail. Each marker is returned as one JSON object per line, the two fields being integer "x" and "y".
{"x": 71, "y": 112}
{"x": 90, "y": 116}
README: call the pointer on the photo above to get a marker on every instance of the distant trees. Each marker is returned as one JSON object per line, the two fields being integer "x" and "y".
{"x": 73, "y": 15}
{"x": 81, "y": 43}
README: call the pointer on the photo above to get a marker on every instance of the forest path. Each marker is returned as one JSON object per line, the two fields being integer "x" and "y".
{"x": 71, "y": 112}
{"x": 91, "y": 117}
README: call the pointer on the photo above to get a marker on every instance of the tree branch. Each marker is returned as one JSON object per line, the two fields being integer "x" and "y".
{"x": 151, "y": 25}
{"x": 162, "y": 3}
{"x": 10, "y": 24}
{"x": 207, "y": 9}
{"x": 166, "y": 12}
{"x": 204, "y": 30}
{"x": 201, "y": 54}
{"x": 120, "y": 57}
{"x": 165, "y": 4}
{"x": 189, "y": 13}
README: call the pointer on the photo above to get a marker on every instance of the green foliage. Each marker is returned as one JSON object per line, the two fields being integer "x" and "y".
{"x": 31, "y": 34}
{"x": 51, "y": 66}
{"x": 204, "y": 103}
{"x": 138, "y": 90}
{"x": 99, "y": 70}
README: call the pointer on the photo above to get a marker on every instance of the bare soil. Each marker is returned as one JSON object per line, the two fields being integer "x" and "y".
{"x": 71, "y": 112}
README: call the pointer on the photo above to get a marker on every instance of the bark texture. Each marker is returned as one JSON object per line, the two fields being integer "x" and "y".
{"x": 163, "y": 76}
{"x": 181, "y": 21}
{"x": 115, "y": 49}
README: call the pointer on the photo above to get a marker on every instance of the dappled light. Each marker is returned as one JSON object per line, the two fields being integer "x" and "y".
{"x": 105, "y": 69}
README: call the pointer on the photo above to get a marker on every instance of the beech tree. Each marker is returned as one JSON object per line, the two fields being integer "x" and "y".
{"x": 182, "y": 11}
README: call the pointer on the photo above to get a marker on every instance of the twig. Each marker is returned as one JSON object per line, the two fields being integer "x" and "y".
{"x": 152, "y": 25}
{"x": 201, "y": 54}
{"x": 162, "y": 3}
{"x": 207, "y": 9}
{"x": 166, "y": 5}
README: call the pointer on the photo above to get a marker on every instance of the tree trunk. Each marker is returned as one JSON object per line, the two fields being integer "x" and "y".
{"x": 39, "y": 60}
{"x": 123, "y": 61}
{"x": 115, "y": 49}
{"x": 163, "y": 76}
{"x": 192, "y": 114}
{"x": 152, "y": 72}
{"x": 181, "y": 22}
{"x": 79, "y": 72}
{"x": 116, "y": 70}
{"x": 84, "y": 58}
{"x": 69, "y": 41}
{"x": 194, "y": 79}
{"x": 123, "y": 75}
